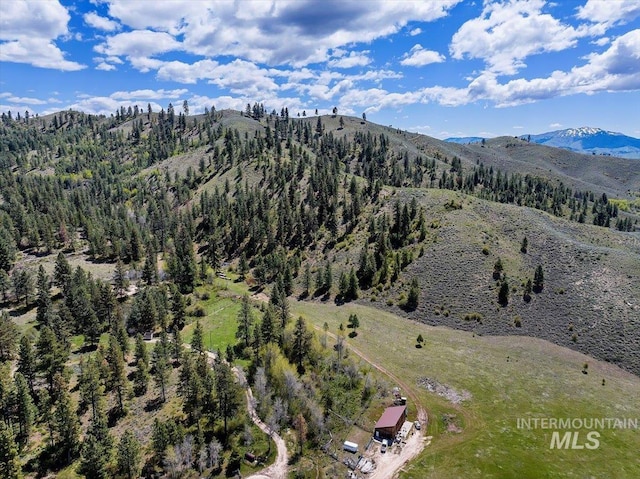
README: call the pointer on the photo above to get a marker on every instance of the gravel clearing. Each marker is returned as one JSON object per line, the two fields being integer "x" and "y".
{"x": 447, "y": 392}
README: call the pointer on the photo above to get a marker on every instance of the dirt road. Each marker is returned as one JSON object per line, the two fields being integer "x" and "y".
{"x": 277, "y": 470}
{"x": 389, "y": 464}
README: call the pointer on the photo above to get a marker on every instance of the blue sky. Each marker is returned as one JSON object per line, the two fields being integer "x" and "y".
{"x": 439, "y": 67}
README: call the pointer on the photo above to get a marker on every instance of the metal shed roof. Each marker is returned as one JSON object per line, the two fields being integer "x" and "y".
{"x": 391, "y": 416}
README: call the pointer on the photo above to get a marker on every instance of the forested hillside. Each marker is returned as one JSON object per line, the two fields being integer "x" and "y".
{"x": 114, "y": 227}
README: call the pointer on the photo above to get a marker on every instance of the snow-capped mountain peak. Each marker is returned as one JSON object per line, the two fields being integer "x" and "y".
{"x": 591, "y": 140}
{"x": 581, "y": 132}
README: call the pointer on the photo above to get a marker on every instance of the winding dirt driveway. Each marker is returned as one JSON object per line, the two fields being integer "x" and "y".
{"x": 277, "y": 470}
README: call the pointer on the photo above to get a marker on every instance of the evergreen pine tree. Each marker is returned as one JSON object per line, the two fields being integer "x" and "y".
{"x": 197, "y": 340}
{"x": 503, "y": 294}
{"x": 161, "y": 369}
{"x": 245, "y": 320}
{"x": 25, "y": 410}
{"x": 129, "y": 456}
{"x": 67, "y": 428}
{"x": 538, "y": 279}
{"x": 27, "y": 361}
{"x": 10, "y": 467}
{"x": 117, "y": 381}
{"x": 43, "y": 301}
{"x": 96, "y": 449}
{"x": 414, "y": 295}
{"x": 141, "y": 374}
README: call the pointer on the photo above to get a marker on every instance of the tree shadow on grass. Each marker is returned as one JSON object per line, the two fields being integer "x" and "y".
{"x": 153, "y": 404}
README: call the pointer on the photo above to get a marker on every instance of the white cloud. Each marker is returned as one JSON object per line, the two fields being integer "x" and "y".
{"x": 37, "y": 52}
{"x": 24, "y": 100}
{"x": 138, "y": 44}
{"x": 415, "y": 31}
{"x": 281, "y": 32}
{"x": 107, "y": 67}
{"x": 424, "y": 129}
{"x": 104, "y": 105}
{"x": 34, "y": 19}
{"x": 507, "y": 33}
{"x": 148, "y": 94}
{"x": 28, "y": 30}
{"x": 353, "y": 59}
{"x": 375, "y": 99}
{"x": 616, "y": 69}
{"x": 239, "y": 76}
{"x": 418, "y": 57}
{"x": 15, "y": 109}
{"x": 101, "y": 23}
{"x": 602, "y": 41}
{"x": 609, "y": 13}
{"x": 555, "y": 125}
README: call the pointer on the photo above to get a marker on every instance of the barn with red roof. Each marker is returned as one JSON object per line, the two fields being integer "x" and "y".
{"x": 390, "y": 422}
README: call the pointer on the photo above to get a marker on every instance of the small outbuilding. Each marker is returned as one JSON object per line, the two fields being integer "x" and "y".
{"x": 390, "y": 422}
{"x": 350, "y": 446}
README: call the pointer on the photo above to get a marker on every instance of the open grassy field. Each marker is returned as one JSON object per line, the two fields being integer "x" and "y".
{"x": 219, "y": 324}
{"x": 508, "y": 378}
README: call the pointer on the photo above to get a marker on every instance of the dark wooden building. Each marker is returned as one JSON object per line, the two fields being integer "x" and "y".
{"x": 390, "y": 422}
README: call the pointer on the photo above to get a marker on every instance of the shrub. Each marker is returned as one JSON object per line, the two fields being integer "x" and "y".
{"x": 517, "y": 322}
{"x": 473, "y": 317}
{"x": 485, "y": 251}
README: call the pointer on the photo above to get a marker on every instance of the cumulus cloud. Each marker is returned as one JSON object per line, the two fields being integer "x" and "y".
{"x": 37, "y": 52}
{"x": 138, "y": 44}
{"x": 28, "y": 30}
{"x": 239, "y": 76}
{"x": 260, "y": 31}
{"x": 622, "y": 11}
{"x": 418, "y": 57}
{"x": 24, "y": 100}
{"x": 107, "y": 67}
{"x": 616, "y": 69}
{"x": 507, "y": 33}
{"x": 415, "y": 31}
{"x": 47, "y": 20}
{"x": 148, "y": 94}
{"x": 104, "y": 105}
{"x": 353, "y": 59}
{"x": 101, "y": 23}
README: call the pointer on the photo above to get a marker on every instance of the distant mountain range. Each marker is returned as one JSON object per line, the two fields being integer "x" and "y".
{"x": 465, "y": 140}
{"x": 581, "y": 140}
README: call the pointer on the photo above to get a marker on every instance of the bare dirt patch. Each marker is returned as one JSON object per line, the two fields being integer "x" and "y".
{"x": 447, "y": 392}
{"x": 388, "y": 464}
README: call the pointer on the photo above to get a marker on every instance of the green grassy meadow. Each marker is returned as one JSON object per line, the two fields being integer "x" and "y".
{"x": 509, "y": 378}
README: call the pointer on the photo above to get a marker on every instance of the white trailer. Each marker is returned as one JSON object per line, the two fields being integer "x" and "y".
{"x": 350, "y": 446}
